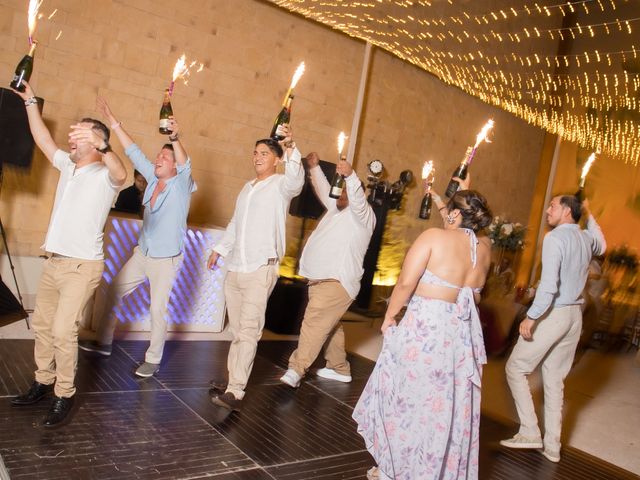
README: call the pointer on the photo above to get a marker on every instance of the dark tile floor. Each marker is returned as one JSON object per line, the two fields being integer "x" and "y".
{"x": 166, "y": 428}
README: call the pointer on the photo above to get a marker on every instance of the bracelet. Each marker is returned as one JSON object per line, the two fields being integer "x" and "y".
{"x": 116, "y": 125}
{"x": 290, "y": 144}
{"x": 442, "y": 208}
{"x": 31, "y": 101}
{"x": 173, "y": 138}
{"x": 106, "y": 149}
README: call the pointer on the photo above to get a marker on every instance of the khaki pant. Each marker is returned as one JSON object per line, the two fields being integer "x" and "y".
{"x": 246, "y": 295}
{"x": 161, "y": 273}
{"x": 328, "y": 301}
{"x": 554, "y": 345}
{"x": 65, "y": 287}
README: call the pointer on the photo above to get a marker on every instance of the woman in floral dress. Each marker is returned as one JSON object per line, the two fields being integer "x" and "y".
{"x": 420, "y": 410}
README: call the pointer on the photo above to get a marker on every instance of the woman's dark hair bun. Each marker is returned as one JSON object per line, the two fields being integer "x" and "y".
{"x": 473, "y": 207}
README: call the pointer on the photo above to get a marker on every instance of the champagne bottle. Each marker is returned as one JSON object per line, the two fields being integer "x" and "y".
{"x": 460, "y": 172}
{"x": 337, "y": 185}
{"x": 23, "y": 70}
{"x": 165, "y": 112}
{"x": 425, "y": 206}
{"x": 283, "y": 117}
{"x": 580, "y": 194}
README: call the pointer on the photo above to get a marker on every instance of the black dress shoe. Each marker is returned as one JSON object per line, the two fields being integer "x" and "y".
{"x": 58, "y": 412}
{"x": 219, "y": 386}
{"x": 37, "y": 391}
{"x": 227, "y": 400}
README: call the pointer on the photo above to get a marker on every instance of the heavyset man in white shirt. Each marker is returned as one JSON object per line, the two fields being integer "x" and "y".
{"x": 332, "y": 261}
{"x": 90, "y": 176}
{"x": 253, "y": 245}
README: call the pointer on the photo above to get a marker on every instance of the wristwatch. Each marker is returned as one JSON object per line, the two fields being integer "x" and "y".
{"x": 105, "y": 149}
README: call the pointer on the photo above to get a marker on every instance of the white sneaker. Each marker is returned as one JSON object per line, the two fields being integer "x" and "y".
{"x": 333, "y": 375}
{"x": 520, "y": 441}
{"x": 551, "y": 456}
{"x": 291, "y": 378}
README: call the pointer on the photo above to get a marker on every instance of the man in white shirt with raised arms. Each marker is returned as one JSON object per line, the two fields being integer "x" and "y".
{"x": 253, "y": 245}
{"x": 90, "y": 176}
{"x": 332, "y": 261}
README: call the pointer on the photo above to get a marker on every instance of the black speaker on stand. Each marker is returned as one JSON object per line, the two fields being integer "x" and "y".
{"x": 370, "y": 262}
{"x": 16, "y": 148}
{"x": 383, "y": 196}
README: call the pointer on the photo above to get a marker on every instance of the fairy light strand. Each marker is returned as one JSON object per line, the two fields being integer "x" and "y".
{"x": 508, "y": 57}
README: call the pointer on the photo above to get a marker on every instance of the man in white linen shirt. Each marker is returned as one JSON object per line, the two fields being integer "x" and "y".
{"x": 253, "y": 245}
{"x": 550, "y": 333}
{"x": 90, "y": 176}
{"x": 332, "y": 261}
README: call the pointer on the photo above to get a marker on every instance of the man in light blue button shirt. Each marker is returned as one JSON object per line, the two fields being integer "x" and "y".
{"x": 158, "y": 255}
{"x": 550, "y": 333}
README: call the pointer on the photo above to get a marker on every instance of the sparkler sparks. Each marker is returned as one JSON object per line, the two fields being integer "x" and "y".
{"x": 427, "y": 170}
{"x": 341, "y": 141}
{"x": 483, "y": 135}
{"x": 586, "y": 168}
{"x": 297, "y": 75}
{"x": 182, "y": 70}
{"x": 34, "y": 5}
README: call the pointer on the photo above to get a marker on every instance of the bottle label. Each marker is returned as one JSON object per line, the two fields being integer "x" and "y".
{"x": 279, "y": 131}
{"x": 336, "y": 191}
{"x": 164, "y": 123}
{"x": 17, "y": 79}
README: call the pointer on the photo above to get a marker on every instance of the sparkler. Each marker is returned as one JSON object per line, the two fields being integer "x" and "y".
{"x": 427, "y": 169}
{"x": 483, "y": 136}
{"x": 428, "y": 174}
{"x": 34, "y": 5}
{"x": 182, "y": 70}
{"x": 341, "y": 140}
{"x": 586, "y": 168}
{"x": 294, "y": 81}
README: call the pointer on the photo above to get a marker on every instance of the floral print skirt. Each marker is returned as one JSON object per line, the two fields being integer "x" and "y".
{"x": 419, "y": 413}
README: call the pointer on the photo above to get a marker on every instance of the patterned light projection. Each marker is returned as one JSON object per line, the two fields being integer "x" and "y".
{"x": 572, "y": 68}
{"x": 197, "y": 298}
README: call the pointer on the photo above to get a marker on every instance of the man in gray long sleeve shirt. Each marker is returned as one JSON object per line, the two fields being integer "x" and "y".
{"x": 550, "y": 333}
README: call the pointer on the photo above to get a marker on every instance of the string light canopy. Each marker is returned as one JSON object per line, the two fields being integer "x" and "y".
{"x": 571, "y": 68}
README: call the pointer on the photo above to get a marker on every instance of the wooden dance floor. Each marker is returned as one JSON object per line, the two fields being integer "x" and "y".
{"x": 166, "y": 428}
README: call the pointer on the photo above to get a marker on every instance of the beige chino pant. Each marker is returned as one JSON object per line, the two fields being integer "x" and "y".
{"x": 66, "y": 285}
{"x": 161, "y": 273}
{"x": 328, "y": 301}
{"x": 246, "y": 295}
{"x": 553, "y": 346}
